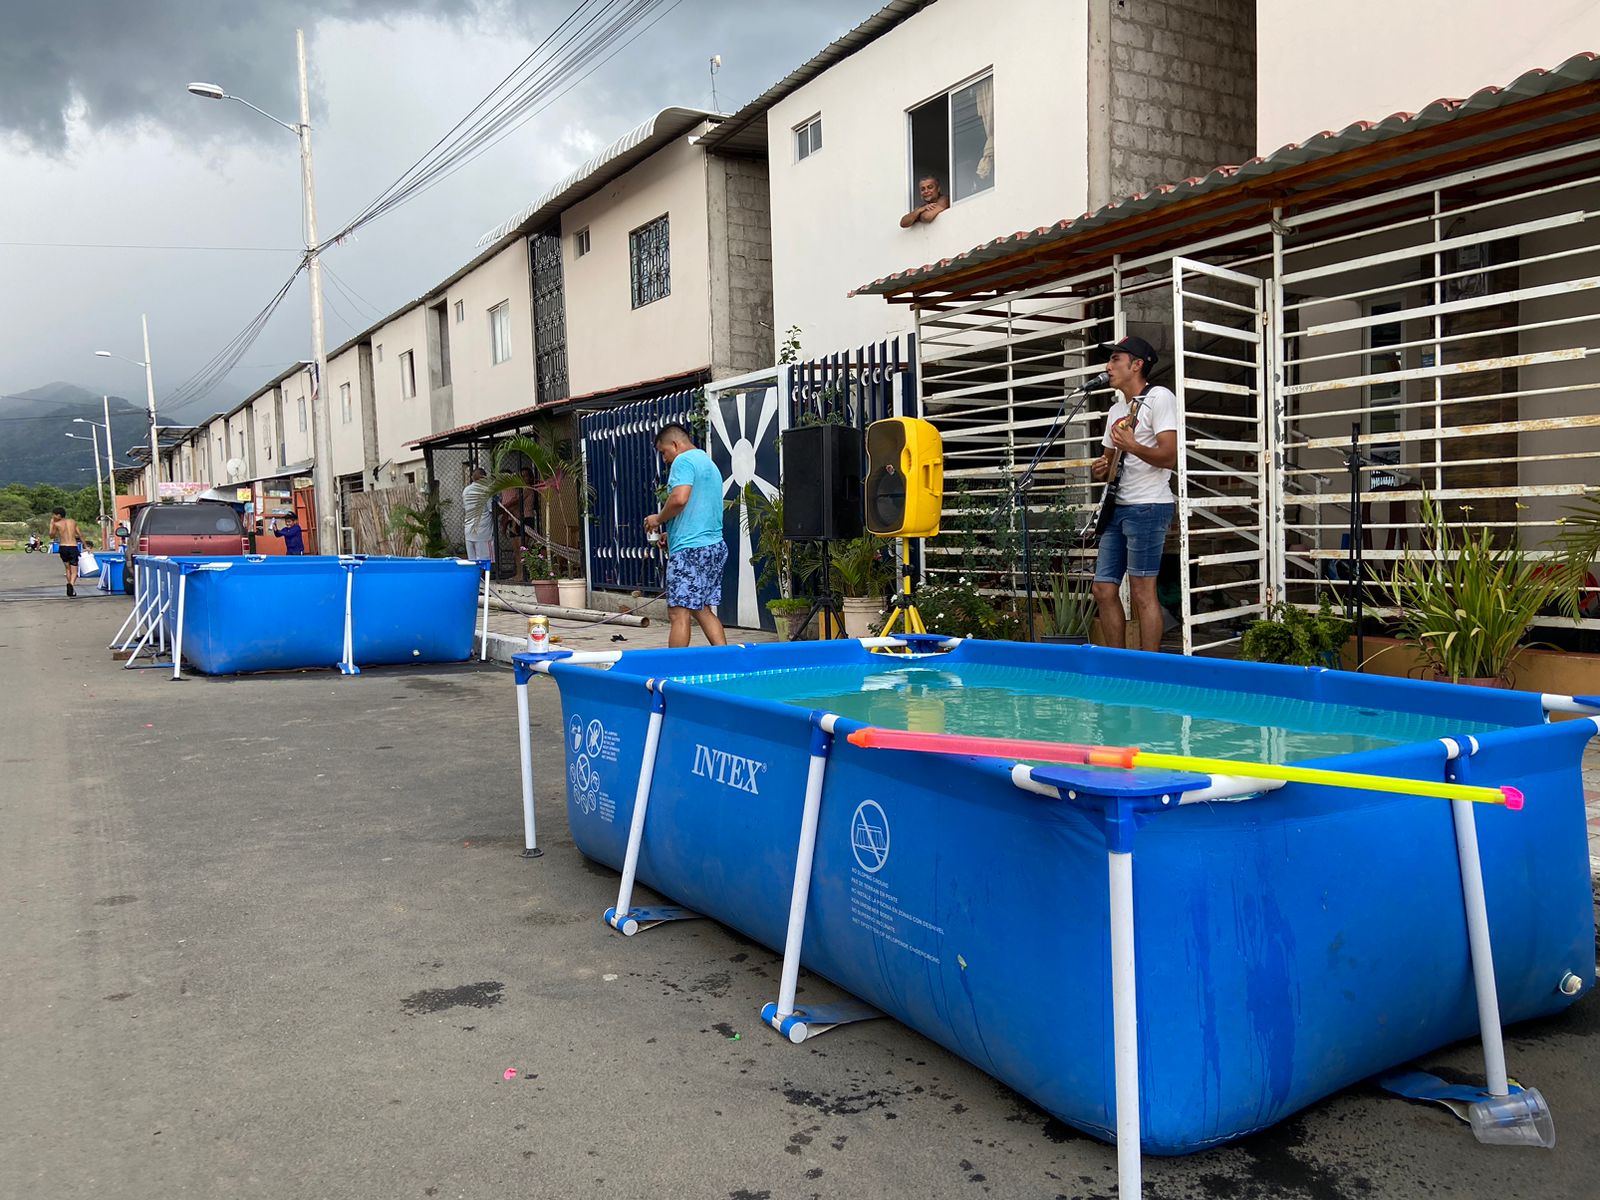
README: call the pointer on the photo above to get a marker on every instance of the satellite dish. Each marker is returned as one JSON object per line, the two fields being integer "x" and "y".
{"x": 235, "y": 468}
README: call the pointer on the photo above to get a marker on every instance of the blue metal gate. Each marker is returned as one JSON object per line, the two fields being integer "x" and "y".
{"x": 624, "y": 470}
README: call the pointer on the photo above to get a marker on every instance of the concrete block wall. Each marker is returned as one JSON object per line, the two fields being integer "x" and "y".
{"x": 1181, "y": 89}
{"x": 742, "y": 315}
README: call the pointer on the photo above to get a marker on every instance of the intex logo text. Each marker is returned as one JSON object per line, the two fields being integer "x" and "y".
{"x": 732, "y": 770}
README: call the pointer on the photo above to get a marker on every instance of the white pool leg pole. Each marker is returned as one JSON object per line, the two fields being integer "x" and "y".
{"x": 133, "y": 615}
{"x": 820, "y": 742}
{"x": 1466, "y": 823}
{"x": 530, "y": 837}
{"x": 349, "y": 640}
{"x": 177, "y": 633}
{"x": 1124, "y": 1024}
{"x": 483, "y": 642}
{"x": 641, "y": 800}
{"x": 161, "y": 601}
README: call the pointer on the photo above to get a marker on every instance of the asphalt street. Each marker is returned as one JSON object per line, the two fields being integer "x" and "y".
{"x": 271, "y": 937}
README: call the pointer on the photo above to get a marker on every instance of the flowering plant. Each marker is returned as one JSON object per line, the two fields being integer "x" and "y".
{"x": 959, "y": 609}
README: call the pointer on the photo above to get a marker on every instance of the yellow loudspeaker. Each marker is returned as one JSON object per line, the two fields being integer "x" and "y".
{"x": 905, "y": 478}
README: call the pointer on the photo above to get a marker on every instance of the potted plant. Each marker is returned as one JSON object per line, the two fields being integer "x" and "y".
{"x": 542, "y": 574}
{"x": 859, "y": 575}
{"x": 1289, "y": 634}
{"x": 1071, "y": 611}
{"x": 1464, "y": 602}
{"x": 781, "y": 562}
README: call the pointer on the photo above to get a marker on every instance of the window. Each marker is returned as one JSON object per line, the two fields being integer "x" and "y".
{"x": 302, "y": 414}
{"x": 581, "y": 241}
{"x": 408, "y": 376}
{"x": 650, "y": 262}
{"x": 377, "y": 352}
{"x": 952, "y": 139}
{"x": 500, "y": 332}
{"x": 808, "y": 138}
{"x": 344, "y": 401}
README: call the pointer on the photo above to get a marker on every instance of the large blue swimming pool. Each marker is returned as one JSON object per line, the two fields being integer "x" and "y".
{"x": 1288, "y": 944}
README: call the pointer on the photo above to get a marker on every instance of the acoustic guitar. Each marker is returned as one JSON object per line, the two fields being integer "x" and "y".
{"x": 1108, "y": 502}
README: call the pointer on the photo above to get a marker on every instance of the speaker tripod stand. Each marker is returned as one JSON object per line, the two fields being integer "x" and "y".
{"x": 902, "y": 609}
{"x": 826, "y": 602}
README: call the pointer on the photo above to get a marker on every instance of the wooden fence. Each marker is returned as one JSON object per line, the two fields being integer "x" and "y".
{"x": 370, "y": 514}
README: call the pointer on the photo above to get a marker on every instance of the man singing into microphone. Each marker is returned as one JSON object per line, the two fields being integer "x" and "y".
{"x": 1148, "y": 445}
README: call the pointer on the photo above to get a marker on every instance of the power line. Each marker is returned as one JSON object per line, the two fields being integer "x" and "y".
{"x": 217, "y": 368}
{"x": 568, "y": 54}
{"x": 350, "y": 294}
{"x": 138, "y": 246}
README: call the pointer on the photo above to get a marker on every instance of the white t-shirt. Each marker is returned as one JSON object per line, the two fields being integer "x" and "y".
{"x": 479, "y": 520}
{"x": 1138, "y": 481}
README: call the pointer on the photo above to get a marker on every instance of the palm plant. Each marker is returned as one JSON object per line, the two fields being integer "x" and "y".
{"x": 782, "y": 561}
{"x": 1465, "y": 603}
{"x": 858, "y": 568}
{"x": 551, "y": 471}
{"x": 422, "y": 526}
{"x": 1577, "y": 544}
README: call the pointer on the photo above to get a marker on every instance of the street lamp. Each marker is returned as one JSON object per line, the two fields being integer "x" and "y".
{"x": 111, "y": 475}
{"x": 99, "y": 487}
{"x": 153, "y": 495}
{"x": 321, "y": 431}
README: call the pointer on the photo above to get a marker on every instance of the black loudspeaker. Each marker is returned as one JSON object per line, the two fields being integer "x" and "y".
{"x": 822, "y": 483}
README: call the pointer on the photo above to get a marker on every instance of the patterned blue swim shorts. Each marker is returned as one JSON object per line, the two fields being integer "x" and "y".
{"x": 694, "y": 576}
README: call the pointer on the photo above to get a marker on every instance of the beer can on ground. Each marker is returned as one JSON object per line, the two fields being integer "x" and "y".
{"x": 538, "y": 634}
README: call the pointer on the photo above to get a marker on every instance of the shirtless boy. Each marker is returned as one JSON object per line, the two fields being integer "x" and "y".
{"x": 64, "y": 532}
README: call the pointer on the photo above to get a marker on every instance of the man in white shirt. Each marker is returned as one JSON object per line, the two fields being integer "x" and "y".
{"x": 479, "y": 519}
{"x": 1148, "y": 445}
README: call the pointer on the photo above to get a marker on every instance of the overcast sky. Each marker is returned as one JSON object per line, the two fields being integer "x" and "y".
{"x": 100, "y": 143}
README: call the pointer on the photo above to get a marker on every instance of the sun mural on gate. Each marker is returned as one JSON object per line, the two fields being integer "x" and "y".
{"x": 742, "y": 438}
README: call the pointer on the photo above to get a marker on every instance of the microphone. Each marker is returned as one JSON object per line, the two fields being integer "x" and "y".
{"x": 1092, "y": 384}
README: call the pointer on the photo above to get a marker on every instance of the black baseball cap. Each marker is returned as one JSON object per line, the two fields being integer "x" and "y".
{"x": 1135, "y": 347}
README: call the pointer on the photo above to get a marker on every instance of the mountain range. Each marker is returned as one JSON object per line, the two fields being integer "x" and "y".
{"x": 32, "y": 424}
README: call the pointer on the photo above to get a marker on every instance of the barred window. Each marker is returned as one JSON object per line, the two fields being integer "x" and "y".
{"x": 649, "y": 262}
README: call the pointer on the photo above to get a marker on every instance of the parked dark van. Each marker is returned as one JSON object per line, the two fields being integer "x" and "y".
{"x": 203, "y": 527}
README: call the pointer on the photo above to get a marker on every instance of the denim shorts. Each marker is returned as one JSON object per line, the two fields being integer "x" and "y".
{"x": 1133, "y": 542}
{"x": 694, "y": 576}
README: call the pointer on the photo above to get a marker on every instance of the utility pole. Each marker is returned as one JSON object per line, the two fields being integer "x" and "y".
{"x": 99, "y": 487}
{"x": 154, "y": 494}
{"x": 111, "y": 470}
{"x": 321, "y": 430}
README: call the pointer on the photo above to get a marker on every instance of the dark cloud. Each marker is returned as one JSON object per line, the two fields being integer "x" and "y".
{"x": 119, "y": 59}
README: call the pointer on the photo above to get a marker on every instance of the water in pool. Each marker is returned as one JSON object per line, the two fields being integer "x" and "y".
{"x": 1003, "y": 701}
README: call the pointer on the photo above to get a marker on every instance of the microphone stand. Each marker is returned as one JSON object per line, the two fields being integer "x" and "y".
{"x": 1356, "y": 569}
{"x": 1019, "y": 490}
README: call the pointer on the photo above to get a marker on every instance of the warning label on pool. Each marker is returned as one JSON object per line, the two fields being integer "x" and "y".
{"x": 872, "y": 905}
{"x": 590, "y": 746}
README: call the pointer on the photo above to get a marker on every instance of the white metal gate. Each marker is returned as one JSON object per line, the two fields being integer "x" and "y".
{"x": 1223, "y": 518}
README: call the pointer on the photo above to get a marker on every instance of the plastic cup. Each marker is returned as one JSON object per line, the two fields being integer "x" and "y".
{"x": 1520, "y": 1119}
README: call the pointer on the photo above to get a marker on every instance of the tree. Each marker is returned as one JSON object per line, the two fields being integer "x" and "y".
{"x": 84, "y": 506}
{"x": 47, "y": 497}
{"x": 13, "y": 507}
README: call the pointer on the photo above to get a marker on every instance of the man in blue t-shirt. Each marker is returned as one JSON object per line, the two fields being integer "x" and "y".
{"x": 696, "y": 552}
